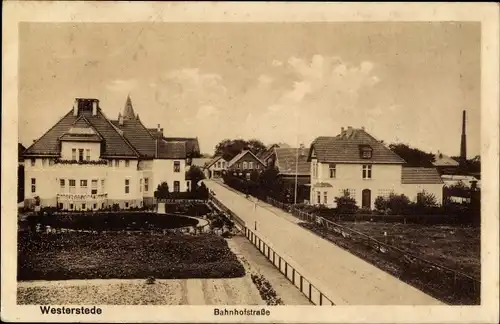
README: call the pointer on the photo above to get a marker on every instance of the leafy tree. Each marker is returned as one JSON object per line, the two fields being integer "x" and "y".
{"x": 228, "y": 149}
{"x": 270, "y": 183}
{"x": 398, "y": 204}
{"x": 195, "y": 174}
{"x": 426, "y": 199}
{"x": 413, "y": 156}
{"x": 469, "y": 166}
{"x": 162, "y": 191}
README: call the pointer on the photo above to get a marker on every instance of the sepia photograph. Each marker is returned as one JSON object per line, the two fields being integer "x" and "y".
{"x": 247, "y": 164}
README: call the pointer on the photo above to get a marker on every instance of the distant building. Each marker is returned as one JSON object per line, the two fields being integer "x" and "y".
{"x": 87, "y": 161}
{"x": 445, "y": 164}
{"x": 293, "y": 166}
{"x": 244, "y": 163}
{"x": 216, "y": 167}
{"x": 354, "y": 161}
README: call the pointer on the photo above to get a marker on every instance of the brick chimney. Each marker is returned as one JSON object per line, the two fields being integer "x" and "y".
{"x": 349, "y": 131}
{"x": 94, "y": 107}
{"x": 463, "y": 143}
{"x": 75, "y": 108}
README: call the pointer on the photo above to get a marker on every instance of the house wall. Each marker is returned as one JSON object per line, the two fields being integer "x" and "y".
{"x": 163, "y": 171}
{"x": 411, "y": 191}
{"x": 66, "y": 150}
{"x": 48, "y": 183}
{"x": 385, "y": 177}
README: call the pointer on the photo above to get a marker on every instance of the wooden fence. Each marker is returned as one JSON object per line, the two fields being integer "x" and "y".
{"x": 312, "y": 292}
{"x": 459, "y": 278}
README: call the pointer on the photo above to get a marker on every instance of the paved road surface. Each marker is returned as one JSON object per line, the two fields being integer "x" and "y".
{"x": 352, "y": 280}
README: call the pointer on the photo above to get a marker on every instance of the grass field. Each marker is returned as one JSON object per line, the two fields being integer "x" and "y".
{"x": 124, "y": 256}
{"x": 454, "y": 247}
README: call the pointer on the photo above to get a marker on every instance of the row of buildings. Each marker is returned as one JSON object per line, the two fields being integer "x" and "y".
{"x": 87, "y": 161}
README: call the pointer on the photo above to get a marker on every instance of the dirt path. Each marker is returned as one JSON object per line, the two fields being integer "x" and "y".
{"x": 255, "y": 262}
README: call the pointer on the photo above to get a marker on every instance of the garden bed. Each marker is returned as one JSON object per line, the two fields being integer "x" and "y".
{"x": 124, "y": 256}
{"x": 454, "y": 247}
{"x": 112, "y": 221}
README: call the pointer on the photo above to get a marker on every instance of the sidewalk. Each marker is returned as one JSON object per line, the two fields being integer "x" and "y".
{"x": 357, "y": 282}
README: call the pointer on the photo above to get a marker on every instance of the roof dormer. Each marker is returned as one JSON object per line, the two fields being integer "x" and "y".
{"x": 365, "y": 151}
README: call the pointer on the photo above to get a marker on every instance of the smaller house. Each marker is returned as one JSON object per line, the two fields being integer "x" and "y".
{"x": 293, "y": 168}
{"x": 244, "y": 162}
{"x": 445, "y": 164}
{"x": 216, "y": 167}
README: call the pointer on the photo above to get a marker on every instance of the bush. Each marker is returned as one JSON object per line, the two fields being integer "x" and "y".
{"x": 381, "y": 204}
{"x": 346, "y": 204}
{"x": 426, "y": 199}
{"x": 398, "y": 204}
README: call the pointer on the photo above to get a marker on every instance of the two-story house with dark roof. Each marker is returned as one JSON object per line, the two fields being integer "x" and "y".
{"x": 87, "y": 161}
{"x": 355, "y": 161}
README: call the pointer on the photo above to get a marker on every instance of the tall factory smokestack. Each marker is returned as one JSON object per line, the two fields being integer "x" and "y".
{"x": 463, "y": 144}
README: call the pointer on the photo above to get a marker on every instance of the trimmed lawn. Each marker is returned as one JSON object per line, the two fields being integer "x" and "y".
{"x": 124, "y": 256}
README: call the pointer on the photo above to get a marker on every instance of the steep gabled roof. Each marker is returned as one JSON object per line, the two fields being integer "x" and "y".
{"x": 114, "y": 144}
{"x": 213, "y": 161}
{"x": 346, "y": 148}
{"x": 441, "y": 160}
{"x": 290, "y": 160}
{"x": 171, "y": 150}
{"x": 138, "y": 135}
{"x": 242, "y": 154}
{"x": 417, "y": 175}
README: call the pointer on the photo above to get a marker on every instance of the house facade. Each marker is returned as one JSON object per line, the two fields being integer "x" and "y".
{"x": 354, "y": 161}
{"x": 245, "y": 162}
{"x": 216, "y": 167}
{"x": 87, "y": 161}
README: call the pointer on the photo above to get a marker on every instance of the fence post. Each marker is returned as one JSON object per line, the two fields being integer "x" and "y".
{"x": 274, "y": 257}
{"x": 301, "y": 283}
{"x": 320, "y": 299}
{"x": 293, "y": 276}
{"x": 310, "y": 292}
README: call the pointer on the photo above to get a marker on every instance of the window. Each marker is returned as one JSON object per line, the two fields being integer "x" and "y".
{"x": 367, "y": 171}
{"x": 325, "y": 197}
{"x": 62, "y": 183}
{"x": 32, "y": 162}
{"x": 73, "y": 154}
{"x": 72, "y": 185}
{"x": 258, "y": 166}
{"x": 110, "y": 163}
{"x": 177, "y": 166}
{"x": 95, "y": 206}
{"x": 102, "y": 185}
{"x": 83, "y": 206}
{"x": 333, "y": 170}
{"x": 365, "y": 151}
{"x": 315, "y": 169}
{"x": 248, "y": 175}
{"x": 44, "y": 162}
{"x": 117, "y": 163}
{"x": 238, "y": 165}
{"x": 177, "y": 186}
{"x": 127, "y": 163}
{"x": 83, "y": 183}
{"x": 87, "y": 151}
{"x": 127, "y": 186}
{"x": 219, "y": 165}
{"x": 33, "y": 185}
{"x": 126, "y": 205}
{"x": 318, "y": 197}
{"x": 244, "y": 165}
{"x": 94, "y": 187}
{"x": 71, "y": 206}
{"x": 250, "y": 165}
{"x": 223, "y": 164}
{"x": 140, "y": 185}
{"x": 80, "y": 154}
{"x": 146, "y": 184}
{"x": 102, "y": 205}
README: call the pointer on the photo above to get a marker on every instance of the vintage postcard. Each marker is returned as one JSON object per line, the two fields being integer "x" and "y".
{"x": 250, "y": 162}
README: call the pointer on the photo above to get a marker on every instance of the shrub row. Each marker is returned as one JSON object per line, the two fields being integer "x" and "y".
{"x": 266, "y": 291}
{"x": 110, "y": 221}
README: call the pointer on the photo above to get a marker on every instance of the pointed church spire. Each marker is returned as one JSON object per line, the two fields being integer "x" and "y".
{"x": 128, "y": 111}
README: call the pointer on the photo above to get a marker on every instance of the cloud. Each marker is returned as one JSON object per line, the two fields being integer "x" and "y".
{"x": 122, "y": 85}
{"x": 206, "y": 111}
{"x": 277, "y": 63}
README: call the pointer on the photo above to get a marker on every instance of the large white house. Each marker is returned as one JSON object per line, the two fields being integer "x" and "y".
{"x": 357, "y": 162}
{"x": 87, "y": 161}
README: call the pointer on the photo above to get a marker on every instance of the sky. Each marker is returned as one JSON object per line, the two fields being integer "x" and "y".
{"x": 276, "y": 82}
